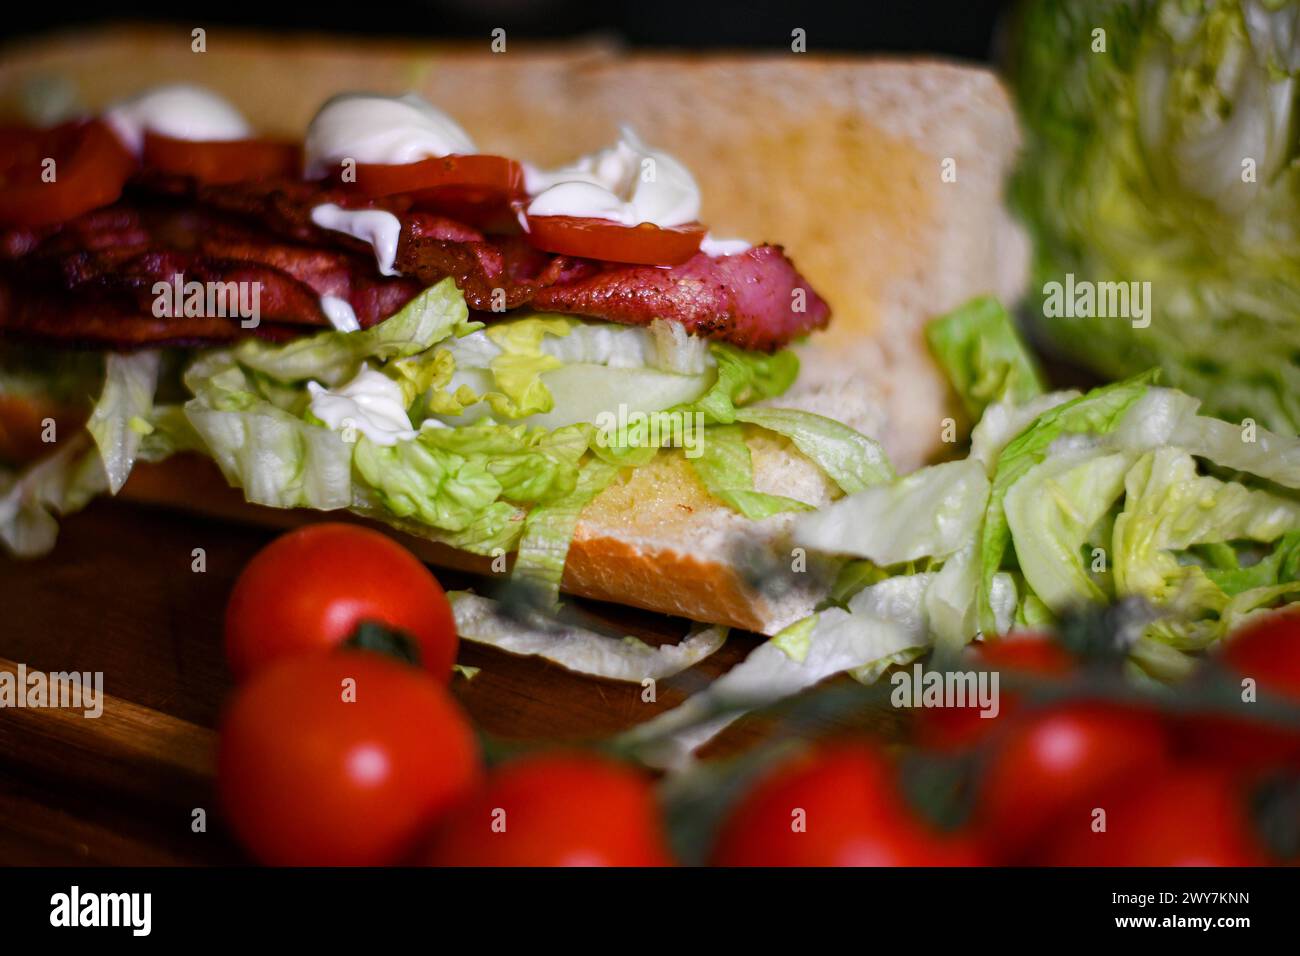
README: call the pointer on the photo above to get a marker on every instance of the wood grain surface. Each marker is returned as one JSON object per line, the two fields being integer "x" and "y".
{"x": 118, "y": 595}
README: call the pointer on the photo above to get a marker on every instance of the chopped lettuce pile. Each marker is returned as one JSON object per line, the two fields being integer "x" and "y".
{"x": 1125, "y": 491}
{"x": 1065, "y": 499}
{"x": 1162, "y": 147}
{"x": 490, "y": 438}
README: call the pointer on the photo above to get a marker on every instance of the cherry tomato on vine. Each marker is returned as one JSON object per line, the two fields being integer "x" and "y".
{"x": 1024, "y": 654}
{"x": 1050, "y": 766}
{"x": 837, "y": 805}
{"x": 555, "y": 810}
{"x": 341, "y": 759}
{"x": 308, "y": 590}
{"x": 1267, "y": 653}
{"x": 1187, "y": 816}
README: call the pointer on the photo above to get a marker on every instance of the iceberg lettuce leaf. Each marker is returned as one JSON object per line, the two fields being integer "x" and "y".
{"x": 577, "y": 649}
{"x": 333, "y": 358}
{"x": 726, "y": 469}
{"x": 120, "y": 419}
{"x": 850, "y": 459}
{"x": 986, "y": 361}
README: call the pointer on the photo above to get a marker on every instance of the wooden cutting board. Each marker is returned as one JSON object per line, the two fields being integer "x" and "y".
{"x": 118, "y": 595}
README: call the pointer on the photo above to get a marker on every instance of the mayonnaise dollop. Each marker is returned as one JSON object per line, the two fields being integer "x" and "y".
{"x": 628, "y": 183}
{"x": 179, "y": 110}
{"x": 339, "y": 312}
{"x": 714, "y": 248}
{"x": 371, "y": 404}
{"x": 378, "y": 227}
{"x": 367, "y": 128}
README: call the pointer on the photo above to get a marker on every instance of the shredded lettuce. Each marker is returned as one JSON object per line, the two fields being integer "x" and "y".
{"x": 932, "y": 513}
{"x": 1169, "y": 159}
{"x": 1280, "y": 565}
{"x": 549, "y": 528}
{"x": 885, "y": 624}
{"x": 440, "y": 488}
{"x": 1096, "y": 413}
{"x": 58, "y": 484}
{"x": 512, "y": 431}
{"x": 849, "y": 458}
{"x": 552, "y": 371}
{"x": 124, "y": 427}
{"x": 1169, "y": 509}
{"x": 277, "y": 458}
{"x": 1125, "y": 491}
{"x": 332, "y": 358}
{"x": 725, "y": 468}
{"x": 481, "y": 620}
{"x": 978, "y": 349}
{"x": 743, "y": 378}
{"x": 121, "y": 416}
{"x": 1004, "y": 421}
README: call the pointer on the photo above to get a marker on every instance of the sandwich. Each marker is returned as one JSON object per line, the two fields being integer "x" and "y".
{"x": 599, "y": 324}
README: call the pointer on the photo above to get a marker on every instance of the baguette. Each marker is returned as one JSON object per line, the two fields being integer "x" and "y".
{"x": 841, "y": 160}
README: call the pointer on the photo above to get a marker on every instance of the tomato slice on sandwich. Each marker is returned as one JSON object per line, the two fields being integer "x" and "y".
{"x": 645, "y": 244}
{"x": 489, "y": 174}
{"x": 475, "y": 189}
{"x": 52, "y": 175}
{"x": 222, "y": 161}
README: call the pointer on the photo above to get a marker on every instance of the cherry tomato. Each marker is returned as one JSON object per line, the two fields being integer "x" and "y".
{"x": 555, "y": 810}
{"x": 646, "y": 244}
{"x": 222, "y": 161}
{"x": 341, "y": 759}
{"x": 950, "y": 728}
{"x": 1188, "y": 816}
{"x": 1267, "y": 651}
{"x": 837, "y": 805}
{"x": 491, "y": 174}
{"x": 308, "y": 590}
{"x": 52, "y": 175}
{"x": 1051, "y": 766}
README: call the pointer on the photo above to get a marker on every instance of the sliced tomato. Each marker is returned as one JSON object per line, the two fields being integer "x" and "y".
{"x": 490, "y": 174}
{"x": 222, "y": 161}
{"x": 646, "y": 244}
{"x": 52, "y": 175}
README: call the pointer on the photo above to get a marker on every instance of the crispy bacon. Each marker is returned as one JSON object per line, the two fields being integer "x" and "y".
{"x": 83, "y": 322}
{"x": 263, "y": 233}
{"x": 754, "y": 299}
{"x": 121, "y": 254}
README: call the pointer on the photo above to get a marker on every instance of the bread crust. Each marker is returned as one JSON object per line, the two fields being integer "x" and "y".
{"x": 840, "y": 159}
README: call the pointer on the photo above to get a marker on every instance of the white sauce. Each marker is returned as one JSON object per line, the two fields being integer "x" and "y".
{"x": 339, "y": 312}
{"x": 371, "y": 404}
{"x": 713, "y": 248}
{"x": 366, "y": 128}
{"x": 628, "y": 183}
{"x": 379, "y": 228}
{"x": 181, "y": 111}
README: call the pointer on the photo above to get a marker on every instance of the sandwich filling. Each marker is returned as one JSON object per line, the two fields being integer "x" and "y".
{"x": 457, "y": 344}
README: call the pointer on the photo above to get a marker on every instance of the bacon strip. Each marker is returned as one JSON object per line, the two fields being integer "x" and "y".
{"x": 120, "y": 254}
{"x": 263, "y": 233}
{"x": 755, "y": 299}
{"x": 82, "y": 322}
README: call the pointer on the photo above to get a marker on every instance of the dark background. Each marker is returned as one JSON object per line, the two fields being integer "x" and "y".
{"x": 960, "y": 28}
